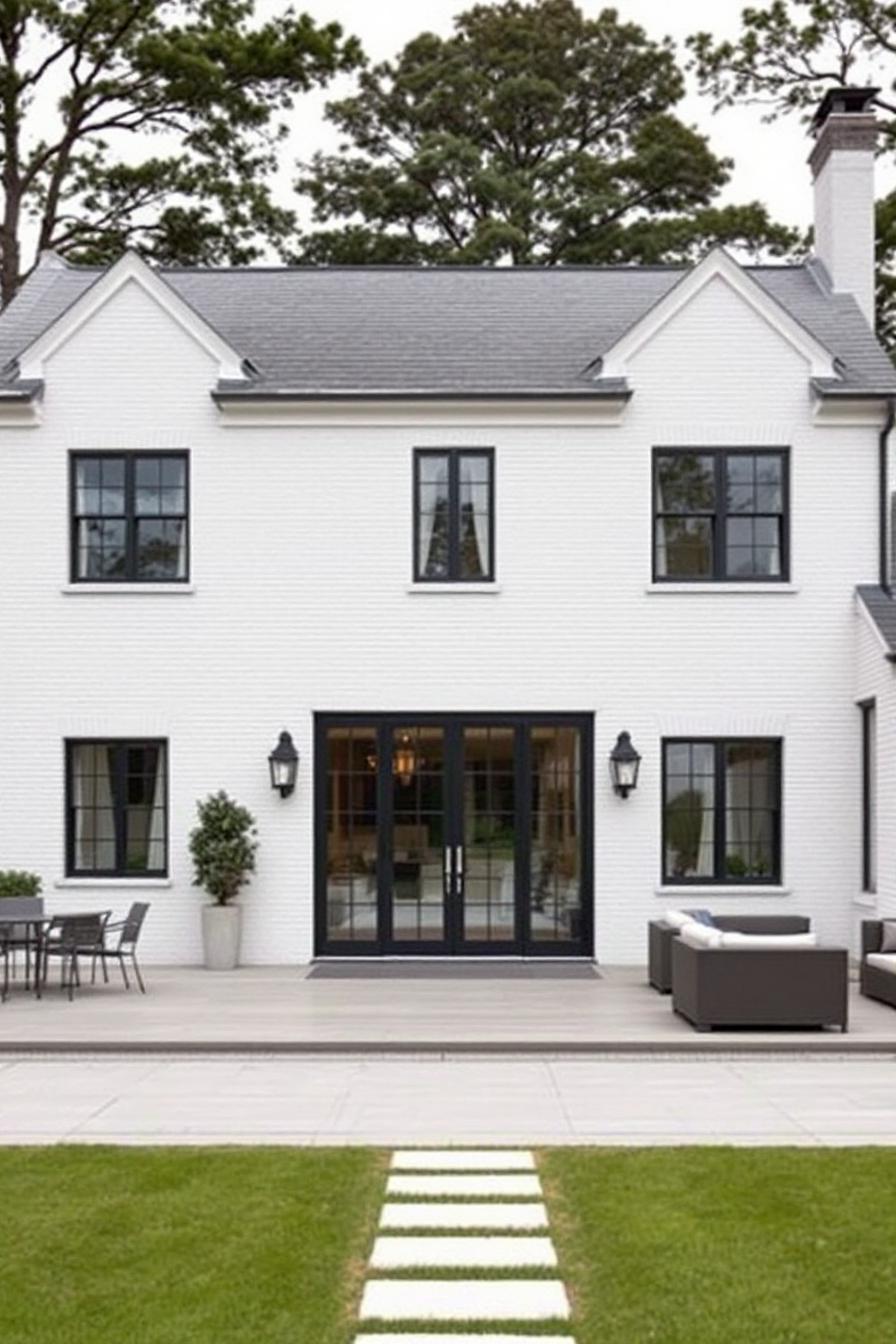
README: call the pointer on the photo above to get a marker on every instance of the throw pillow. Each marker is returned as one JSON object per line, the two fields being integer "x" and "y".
{"x": 888, "y": 936}
{"x": 702, "y": 917}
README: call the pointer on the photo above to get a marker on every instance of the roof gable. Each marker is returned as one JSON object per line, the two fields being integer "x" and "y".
{"x": 717, "y": 265}
{"x": 128, "y": 270}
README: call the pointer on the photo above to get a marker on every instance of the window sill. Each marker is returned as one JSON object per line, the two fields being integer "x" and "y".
{"x": 697, "y": 890}
{"x": 106, "y": 882}
{"x": 434, "y": 588}
{"x": 767, "y": 589}
{"x": 120, "y": 589}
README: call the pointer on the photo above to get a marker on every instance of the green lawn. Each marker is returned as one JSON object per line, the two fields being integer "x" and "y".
{"x": 726, "y": 1246}
{"x": 184, "y": 1246}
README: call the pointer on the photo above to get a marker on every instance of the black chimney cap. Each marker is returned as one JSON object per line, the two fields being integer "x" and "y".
{"x": 843, "y": 98}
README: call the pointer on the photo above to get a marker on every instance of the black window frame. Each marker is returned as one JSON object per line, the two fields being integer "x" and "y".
{"x": 720, "y": 878}
{"x": 868, "y": 710}
{"x": 121, "y": 746}
{"x": 454, "y": 456}
{"x": 719, "y": 515}
{"x": 130, "y": 457}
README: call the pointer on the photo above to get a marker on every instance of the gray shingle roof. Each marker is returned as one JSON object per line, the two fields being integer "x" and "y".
{"x": 444, "y": 330}
{"x": 881, "y": 607}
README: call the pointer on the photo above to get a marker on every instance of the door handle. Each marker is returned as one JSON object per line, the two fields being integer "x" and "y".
{"x": 459, "y": 866}
{"x": 446, "y": 868}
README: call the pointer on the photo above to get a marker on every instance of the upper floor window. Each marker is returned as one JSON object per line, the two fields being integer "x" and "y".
{"x": 129, "y": 517}
{"x": 454, "y": 515}
{"x": 720, "y": 515}
{"x": 116, "y": 808}
{"x": 722, "y": 810}
{"x": 869, "y": 795}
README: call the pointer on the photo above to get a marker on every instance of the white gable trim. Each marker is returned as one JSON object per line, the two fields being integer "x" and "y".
{"x": 717, "y": 264}
{"x": 129, "y": 270}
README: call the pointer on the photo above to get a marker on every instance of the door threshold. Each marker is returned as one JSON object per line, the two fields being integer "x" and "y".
{"x": 484, "y": 959}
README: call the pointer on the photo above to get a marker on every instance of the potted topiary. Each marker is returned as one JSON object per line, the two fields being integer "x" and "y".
{"x": 223, "y": 848}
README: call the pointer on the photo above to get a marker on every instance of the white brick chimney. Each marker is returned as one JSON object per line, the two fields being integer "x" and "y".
{"x": 842, "y": 163}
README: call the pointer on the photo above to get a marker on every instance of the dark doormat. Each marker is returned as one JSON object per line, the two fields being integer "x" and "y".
{"x": 452, "y": 970}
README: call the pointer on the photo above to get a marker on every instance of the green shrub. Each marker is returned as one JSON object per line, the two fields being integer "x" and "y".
{"x": 223, "y": 847}
{"x": 13, "y": 883}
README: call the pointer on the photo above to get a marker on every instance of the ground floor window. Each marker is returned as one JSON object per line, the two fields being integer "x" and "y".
{"x": 869, "y": 796}
{"x": 721, "y": 810}
{"x": 116, "y": 808}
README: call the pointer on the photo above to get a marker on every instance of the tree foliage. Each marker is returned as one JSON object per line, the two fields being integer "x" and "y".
{"x": 786, "y": 56}
{"x": 531, "y": 134}
{"x": 88, "y": 87}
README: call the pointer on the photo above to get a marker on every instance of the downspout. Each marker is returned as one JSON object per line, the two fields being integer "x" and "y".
{"x": 883, "y": 491}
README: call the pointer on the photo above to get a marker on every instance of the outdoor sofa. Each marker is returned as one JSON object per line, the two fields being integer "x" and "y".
{"x": 661, "y": 935}
{"x": 877, "y": 970}
{"x": 747, "y": 980}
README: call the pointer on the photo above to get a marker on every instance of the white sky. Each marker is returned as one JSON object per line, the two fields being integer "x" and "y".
{"x": 770, "y": 160}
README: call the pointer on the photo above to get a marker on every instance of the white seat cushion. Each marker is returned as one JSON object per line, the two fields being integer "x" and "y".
{"x": 883, "y": 961}
{"x": 773, "y": 941}
{"x": 700, "y": 935}
{"x": 677, "y": 918}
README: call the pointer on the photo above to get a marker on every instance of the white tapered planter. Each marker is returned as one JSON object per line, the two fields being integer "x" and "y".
{"x": 221, "y": 929}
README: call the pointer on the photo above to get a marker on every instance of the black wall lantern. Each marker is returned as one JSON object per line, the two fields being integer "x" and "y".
{"x": 624, "y": 763}
{"x": 284, "y": 763}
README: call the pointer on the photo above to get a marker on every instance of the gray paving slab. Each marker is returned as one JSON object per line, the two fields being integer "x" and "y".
{"x": 469, "y": 1252}
{"x": 464, "y": 1300}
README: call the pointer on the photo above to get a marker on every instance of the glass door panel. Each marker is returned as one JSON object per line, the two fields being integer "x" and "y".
{"x": 486, "y": 882}
{"x": 351, "y": 834}
{"x": 418, "y": 838}
{"x": 555, "y": 901}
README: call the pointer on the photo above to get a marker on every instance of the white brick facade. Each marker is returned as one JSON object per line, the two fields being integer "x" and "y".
{"x": 299, "y": 602}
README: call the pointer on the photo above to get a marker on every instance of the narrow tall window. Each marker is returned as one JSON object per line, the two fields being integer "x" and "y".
{"x": 722, "y": 810}
{"x": 116, "y": 808}
{"x": 129, "y": 517}
{"x": 454, "y": 515}
{"x": 720, "y": 515}
{"x": 869, "y": 796}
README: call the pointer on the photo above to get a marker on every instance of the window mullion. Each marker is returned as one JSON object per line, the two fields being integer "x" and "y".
{"x": 721, "y": 812}
{"x": 720, "y": 524}
{"x": 130, "y": 508}
{"x": 119, "y": 784}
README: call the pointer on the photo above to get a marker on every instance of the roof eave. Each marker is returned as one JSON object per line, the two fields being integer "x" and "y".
{"x": 233, "y": 396}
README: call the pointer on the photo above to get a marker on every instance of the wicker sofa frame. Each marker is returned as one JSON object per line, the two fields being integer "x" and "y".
{"x": 660, "y": 937}
{"x": 760, "y": 988}
{"x": 873, "y": 982}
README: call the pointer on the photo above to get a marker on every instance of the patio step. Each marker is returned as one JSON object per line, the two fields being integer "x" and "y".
{"x": 495, "y": 1217}
{"x": 474, "y": 1186}
{"x": 464, "y": 1300}
{"x": 459, "y": 1159}
{"x": 463, "y": 1252}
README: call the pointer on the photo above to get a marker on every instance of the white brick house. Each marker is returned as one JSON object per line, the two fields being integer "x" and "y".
{"x": 455, "y": 530}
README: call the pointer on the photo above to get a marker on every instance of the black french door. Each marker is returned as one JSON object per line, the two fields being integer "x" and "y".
{"x": 453, "y": 834}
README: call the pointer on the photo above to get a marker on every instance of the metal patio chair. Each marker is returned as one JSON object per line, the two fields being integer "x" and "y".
{"x": 125, "y": 949}
{"x": 69, "y": 937}
{"x": 4, "y": 953}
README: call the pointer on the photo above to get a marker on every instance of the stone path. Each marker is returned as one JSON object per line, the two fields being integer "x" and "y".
{"x": 439, "y": 1205}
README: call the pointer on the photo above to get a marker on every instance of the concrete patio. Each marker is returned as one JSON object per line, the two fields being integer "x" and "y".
{"x": 394, "y": 1007}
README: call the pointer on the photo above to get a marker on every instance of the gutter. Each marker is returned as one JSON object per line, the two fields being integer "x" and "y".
{"x": 229, "y": 397}
{"x": 883, "y": 496}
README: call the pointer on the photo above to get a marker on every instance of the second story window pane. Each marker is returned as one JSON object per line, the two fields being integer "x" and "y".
{"x": 720, "y": 515}
{"x": 454, "y": 523}
{"x": 130, "y": 517}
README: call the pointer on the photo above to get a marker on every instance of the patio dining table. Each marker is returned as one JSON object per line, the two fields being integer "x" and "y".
{"x": 37, "y": 926}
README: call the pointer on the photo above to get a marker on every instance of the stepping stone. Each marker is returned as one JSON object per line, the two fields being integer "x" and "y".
{"x": 458, "y": 1159}
{"x": 476, "y": 1186}
{"x": 463, "y": 1339}
{"x": 515, "y": 1217}
{"x": 463, "y": 1252}
{"x": 464, "y": 1300}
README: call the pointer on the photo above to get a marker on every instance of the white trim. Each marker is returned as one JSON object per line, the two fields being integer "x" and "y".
{"x": 871, "y": 623}
{"x": 717, "y": 264}
{"x": 483, "y": 589}
{"x": 867, "y": 900}
{"x": 129, "y": 270}
{"x": 766, "y": 589}
{"x": 104, "y": 883}
{"x": 741, "y": 892}
{"x": 434, "y": 415}
{"x": 127, "y": 589}
{"x": 842, "y": 413}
